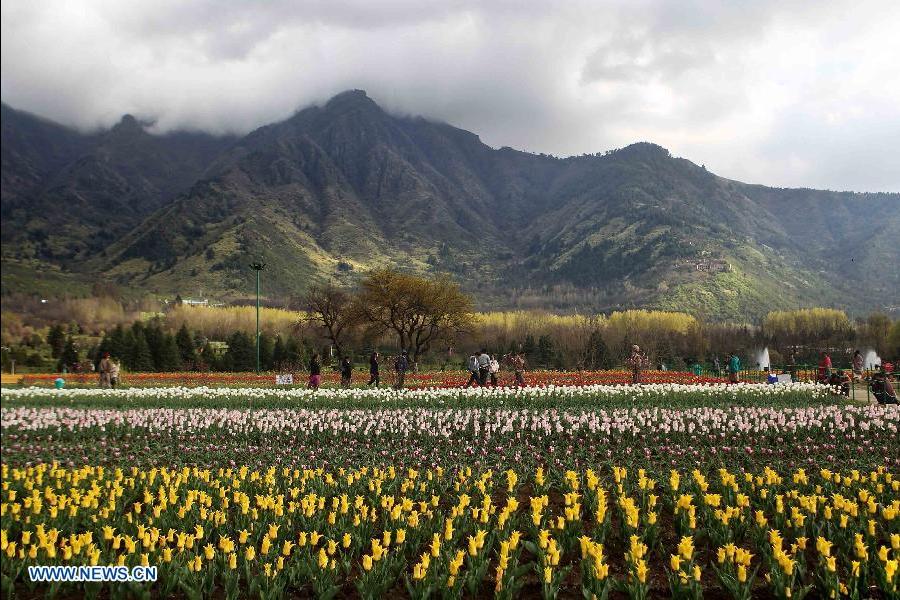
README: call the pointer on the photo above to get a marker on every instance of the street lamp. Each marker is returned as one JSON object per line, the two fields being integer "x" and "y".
{"x": 257, "y": 266}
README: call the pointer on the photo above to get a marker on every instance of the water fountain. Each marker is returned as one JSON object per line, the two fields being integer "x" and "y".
{"x": 871, "y": 359}
{"x": 762, "y": 359}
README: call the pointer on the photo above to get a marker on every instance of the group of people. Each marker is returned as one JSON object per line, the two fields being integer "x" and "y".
{"x": 108, "y": 371}
{"x": 880, "y": 381}
{"x": 345, "y": 367}
{"x": 484, "y": 368}
{"x": 825, "y": 372}
{"x": 638, "y": 361}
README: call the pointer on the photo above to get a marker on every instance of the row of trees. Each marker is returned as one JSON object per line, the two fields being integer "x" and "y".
{"x": 148, "y": 348}
{"x": 436, "y": 323}
{"x": 827, "y": 328}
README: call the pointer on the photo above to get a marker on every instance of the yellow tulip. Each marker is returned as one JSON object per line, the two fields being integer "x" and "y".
{"x": 642, "y": 571}
{"x": 686, "y": 547}
{"x": 890, "y": 568}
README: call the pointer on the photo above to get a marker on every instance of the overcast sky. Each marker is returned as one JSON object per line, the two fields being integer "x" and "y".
{"x": 776, "y": 92}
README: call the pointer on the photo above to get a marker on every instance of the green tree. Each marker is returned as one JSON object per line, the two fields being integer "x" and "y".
{"x": 155, "y": 337}
{"x": 241, "y": 354}
{"x": 294, "y": 354}
{"x": 56, "y": 338}
{"x": 139, "y": 357}
{"x": 186, "y": 349}
{"x": 546, "y": 355}
{"x": 529, "y": 348}
{"x": 118, "y": 344}
{"x": 277, "y": 352}
{"x": 596, "y": 353}
{"x": 266, "y": 352}
{"x": 101, "y": 349}
{"x": 170, "y": 355}
{"x": 208, "y": 358}
{"x": 69, "y": 355}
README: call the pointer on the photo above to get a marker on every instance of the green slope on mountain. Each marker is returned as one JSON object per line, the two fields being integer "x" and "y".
{"x": 345, "y": 187}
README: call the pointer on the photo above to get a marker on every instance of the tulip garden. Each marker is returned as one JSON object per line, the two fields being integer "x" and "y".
{"x": 671, "y": 490}
{"x": 415, "y": 380}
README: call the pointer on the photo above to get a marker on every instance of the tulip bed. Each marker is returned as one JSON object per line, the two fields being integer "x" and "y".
{"x": 388, "y": 532}
{"x": 581, "y": 396}
{"x": 414, "y": 380}
{"x": 560, "y": 491}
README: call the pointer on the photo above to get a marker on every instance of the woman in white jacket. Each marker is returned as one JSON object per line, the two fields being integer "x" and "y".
{"x": 495, "y": 370}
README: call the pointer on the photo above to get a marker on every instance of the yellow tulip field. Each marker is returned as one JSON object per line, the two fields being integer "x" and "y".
{"x": 468, "y": 503}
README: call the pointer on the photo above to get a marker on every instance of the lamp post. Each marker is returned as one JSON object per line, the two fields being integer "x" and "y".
{"x": 257, "y": 266}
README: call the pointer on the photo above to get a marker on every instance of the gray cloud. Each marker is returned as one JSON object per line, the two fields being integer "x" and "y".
{"x": 776, "y": 92}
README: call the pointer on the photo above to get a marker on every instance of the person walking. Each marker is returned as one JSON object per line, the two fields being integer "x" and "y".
{"x": 315, "y": 372}
{"x": 373, "y": 370}
{"x": 638, "y": 361}
{"x": 400, "y": 366}
{"x": 484, "y": 367}
{"x": 346, "y": 372}
{"x": 717, "y": 367}
{"x": 519, "y": 366}
{"x": 472, "y": 366}
{"x": 105, "y": 370}
{"x": 114, "y": 374}
{"x": 824, "y": 373}
{"x": 858, "y": 365}
{"x": 734, "y": 368}
{"x": 494, "y": 370}
{"x": 517, "y": 363}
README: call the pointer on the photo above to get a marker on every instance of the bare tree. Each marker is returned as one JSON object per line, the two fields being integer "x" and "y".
{"x": 419, "y": 311}
{"x": 332, "y": 309}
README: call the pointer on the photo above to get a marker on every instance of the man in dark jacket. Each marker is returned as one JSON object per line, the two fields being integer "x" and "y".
{"x": 401, "y": 365}
{"x": 346, "y": 372}
{"x": 484, "y": 367}
{"x": 472, "y": 366}
{"x": 373, "y": 370}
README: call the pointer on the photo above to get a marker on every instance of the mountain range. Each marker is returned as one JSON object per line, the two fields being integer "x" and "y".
{"x": 341, "y": 188}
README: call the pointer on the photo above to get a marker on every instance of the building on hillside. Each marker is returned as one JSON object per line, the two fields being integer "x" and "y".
{"x": 195, "y": 302}
{"x": 713, "y": 266}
